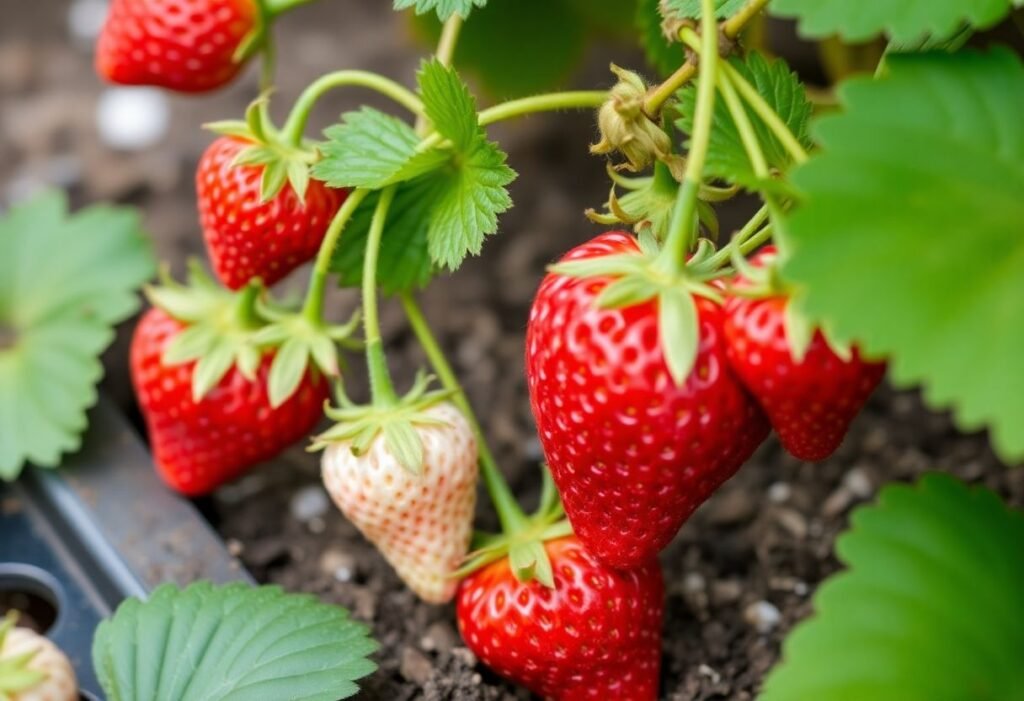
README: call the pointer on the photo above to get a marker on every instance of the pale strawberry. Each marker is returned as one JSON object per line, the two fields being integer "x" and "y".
{"x": 32, "y": 668}
{"x": 422, "y": 522}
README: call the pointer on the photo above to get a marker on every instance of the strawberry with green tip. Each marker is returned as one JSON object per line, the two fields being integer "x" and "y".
{"x": 32, "y": 667}
{"x": 638, "y": 412}
{"x": 810, "y": 388}
{"x": 594, "y": 634}
{"x": 405, "y": 475}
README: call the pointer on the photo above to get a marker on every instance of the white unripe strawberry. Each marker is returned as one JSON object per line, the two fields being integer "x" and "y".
{"x": 421, "y": 521}
{"x": 32, "y": 668}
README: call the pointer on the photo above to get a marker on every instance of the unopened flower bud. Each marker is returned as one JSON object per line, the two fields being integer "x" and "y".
{"x": 626, "y": 128}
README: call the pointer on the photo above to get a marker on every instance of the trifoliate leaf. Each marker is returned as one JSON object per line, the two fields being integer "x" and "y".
{"x": 373, "y": 150}
{"x": 691, "y": 9}
{"x": 471, "y": 196}
{"x": 665, "y": 56}
{"x": 929, "y": 608}
{"x": 779, "y": 86}
{"x": 912, "y": 21}
{"x": 449, "y": 104}
{"x": 910, "y": 236}
{"x": 64, "y": 282}
{"x": 443, "y": 8}
{"x": 230, "y": 643}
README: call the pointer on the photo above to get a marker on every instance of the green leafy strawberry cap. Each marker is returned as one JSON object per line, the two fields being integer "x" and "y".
{"x": 281, "y": 162}
{"x": 361, "y": 425}
{"x": 15, "y": 674}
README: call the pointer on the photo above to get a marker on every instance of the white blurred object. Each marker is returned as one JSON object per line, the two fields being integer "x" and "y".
{"x": 132, "y": 119}
{"x": 85, "y": 19}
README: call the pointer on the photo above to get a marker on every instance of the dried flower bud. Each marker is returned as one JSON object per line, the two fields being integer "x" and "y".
{"x": 626, "y": 128}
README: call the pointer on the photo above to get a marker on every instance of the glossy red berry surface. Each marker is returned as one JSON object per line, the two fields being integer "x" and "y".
{"x": 199, "y": 446}
{"x": 247, "y": 238}
{"x": 183, "y": 45}
{"x": 596, "y": 635}
{"x": 632, "y": 453}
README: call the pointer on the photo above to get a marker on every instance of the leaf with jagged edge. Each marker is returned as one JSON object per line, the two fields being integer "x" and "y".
{"x": 443, "y": 8}
{"x": 691, "y": 9}
{"x": 232, "y": 642}
{"x": 65, "y": 280}
{"x": 908, "y": 239}
{"x": 664, "y": 55}
{"x": 928, "y": 609}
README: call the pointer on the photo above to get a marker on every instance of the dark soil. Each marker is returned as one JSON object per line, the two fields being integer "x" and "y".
{"x": 742, "y": 571}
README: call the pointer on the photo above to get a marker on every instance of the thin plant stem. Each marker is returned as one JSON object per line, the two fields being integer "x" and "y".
{"x": 735, "y": 24}
{"x": 583, "y": 99}
{"x": 768, "y": 115}
{"x": 662, "y": 93}
{"x": 749, "y": 229}
{"x": 744, "y": 126}
{"x": 449, "y": 39}
{"x": 312, "y": 309}
{"x": 381, "y": 387}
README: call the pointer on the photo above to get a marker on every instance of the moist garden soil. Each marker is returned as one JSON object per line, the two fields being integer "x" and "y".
{"x": 742, "y": 571}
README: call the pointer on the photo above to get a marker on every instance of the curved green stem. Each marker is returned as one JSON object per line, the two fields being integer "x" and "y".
{"x": 683, "y": 225}
{"x": 580, "y": 99}
{"x": 744, "y": 126}
{"x": 296, "y": 124}
{"x": 449, "y": 39}
{"x": 661, "y": 94}
{"x": 741, "y": 237}
{"x": 312, "y": 308}
{"x": 510, "y": 514}
{"x": 245, "y": 305}
{"x": 279, "y": 7}
{"x": 755, "y": 241}
{"x": 382, "y": 389}
{"x": 768, "y": 115}
{"x": 734, "y": 25}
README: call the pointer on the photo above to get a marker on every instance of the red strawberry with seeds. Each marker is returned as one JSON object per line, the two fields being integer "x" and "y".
{"x": 247, "y": 236}
{"x": 633, "y": 453}
{"x": 595, "y": 635}
{"x": 184, "y": 45}
{"x": 811, "y": 401}
{"x": 200, "y": 445}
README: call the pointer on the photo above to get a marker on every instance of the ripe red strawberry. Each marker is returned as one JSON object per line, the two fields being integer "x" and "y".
{"x": 632, "y": 453}
{"x": 247, "y": 237}
{"x": 810, "y": 403}
{"x": 199, "y": 446}
{"x": 184, "y": 45}
{"x": 595, "y": 635}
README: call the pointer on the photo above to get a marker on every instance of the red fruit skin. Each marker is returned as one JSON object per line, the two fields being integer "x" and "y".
{"x": 199, "y": 446}
{"x": 182, "y": 45}
{"x": 246, "y": 238}
{"x": 633, "y": 455}
{"x": 596, "y": 635}
{"x": 810, "y": 404}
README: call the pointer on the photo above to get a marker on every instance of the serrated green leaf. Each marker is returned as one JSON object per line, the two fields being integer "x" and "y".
{"x": 373, "y": 150}
{"x": 443, "y": 8}
{"x": 286, "y": 370}
{"x": 909, "y": 237}
{"x": 470, "y": 198}
{"x": 914, "y": 21}
{"x": 929, "y": 608}
{"x": 780, "y": 87}
{"x": 449, "y": 105}
{"x": 230, "y": 643}
{"x": 64, "y": 281}
{"x": 691, "y": 9}
{"x": 664, "y": 55}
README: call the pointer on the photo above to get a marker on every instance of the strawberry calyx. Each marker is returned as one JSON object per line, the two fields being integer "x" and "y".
{"x": 523, "y": 545}
{"x": 280, "y": 161}
{"x": 360, "y": 425}
{"x": 640, "y": 276}
{"x": 15, "y": 674}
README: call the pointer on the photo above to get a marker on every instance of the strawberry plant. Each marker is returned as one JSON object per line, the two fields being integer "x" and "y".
{"x": 659, "y": 355}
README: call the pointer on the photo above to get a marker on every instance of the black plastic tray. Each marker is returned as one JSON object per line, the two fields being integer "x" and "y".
{"x": 78, "y": 540}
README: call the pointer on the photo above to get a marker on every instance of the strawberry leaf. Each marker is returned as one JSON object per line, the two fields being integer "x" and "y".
{"x": 928, "y": 609}
{"x": 727, "y": 157}
{"x": 265, "y": 644}
{"x": 909, "y": 236}
{"x": 449, "y": 104}
{"x": 915, "y": 20}
{"x": 443, "y": 8}
{"x": 690, "y": 9}
{"x": 64, "y": 282}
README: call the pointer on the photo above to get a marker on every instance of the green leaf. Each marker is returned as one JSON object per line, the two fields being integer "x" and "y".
{"x": 373, "y": 150}
{"x": 470, "y": 198}
{"x": 443, "y": 8}
{"x": 230, "y": 643}
{"x": 779, "y": 86}
{"x": 64, "y": 282}
{"x": 665, "y": 56}
{"x": 909, "y": 238}
{"x": 690, "y": 9}
{"x": 915, "y": 19}
{"x": 929, "y": 608}
{"x": 449, "y": 104}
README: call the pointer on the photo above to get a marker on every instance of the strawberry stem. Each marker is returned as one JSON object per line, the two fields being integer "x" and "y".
{"x": 245, "y": 313}
{"x": 735, "y": 24}
{"x": 312, "y": 309}
{"x": 382, "y": 389}
{"x": 512, "y": 518}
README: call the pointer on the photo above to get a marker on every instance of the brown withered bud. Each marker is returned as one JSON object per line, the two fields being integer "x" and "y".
{"x": 626, "y": 128}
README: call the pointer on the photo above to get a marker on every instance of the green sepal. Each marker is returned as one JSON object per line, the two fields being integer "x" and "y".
{"x": 679, "y": 329}
{"x": 647, "y": 204}
{"x": 229, "y": 127}
{"x": 530, "y": 561}
{"x": 15, "y": 674}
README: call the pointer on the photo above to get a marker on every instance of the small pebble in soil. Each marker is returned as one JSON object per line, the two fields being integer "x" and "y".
{"x": 726, "y": 591}
{"x": 132, "y": 119}
{"x": 858, "y": 482}
{"x": 415, "y": 666}
{"x": 779, "y": 492}
{"x": 85, "y": 19}
{"x": 338, "y": 564}
{"x": 235, "y": 547}
{"x": 309, "y": 503}
{"x": 440, "y": 637}
{"x": 706, "y": 671}
{"x": 763, "y": 616}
